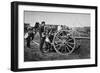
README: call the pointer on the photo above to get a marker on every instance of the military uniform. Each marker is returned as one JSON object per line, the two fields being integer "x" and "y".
{"x": 29, "y": 38}
{"x": 42, "y": 37}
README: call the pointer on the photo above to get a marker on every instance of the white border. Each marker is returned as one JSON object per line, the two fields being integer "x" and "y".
{"x": 22, "y": 64}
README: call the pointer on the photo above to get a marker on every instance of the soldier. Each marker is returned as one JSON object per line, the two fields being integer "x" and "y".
{"x": 36, "y": 26}
{"x": 42, "y": 35}
{"x": 29, "y": 36}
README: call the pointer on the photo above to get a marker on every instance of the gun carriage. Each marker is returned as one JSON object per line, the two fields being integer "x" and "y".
{"x": 64, "y": 39}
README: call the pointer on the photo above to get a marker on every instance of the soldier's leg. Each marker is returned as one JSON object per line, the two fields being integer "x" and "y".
{"x": 42, "y": 43}
{"x": 28, "y": 43}
{"x": 33, "y": 36}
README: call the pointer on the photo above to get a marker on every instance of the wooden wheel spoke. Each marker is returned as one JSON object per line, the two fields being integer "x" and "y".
{"x": 65, "y": 49}
{"x": 58, "y": 42}
{"x": 63, "y": 37}
{"x": 62, "y": 48}
{"x": 69, "y": 39}
{"x": 58, "y": 39}
{"x": 71, "y": 43}
{"x": 69, "y": 46}
{"x": 59, "y": 46}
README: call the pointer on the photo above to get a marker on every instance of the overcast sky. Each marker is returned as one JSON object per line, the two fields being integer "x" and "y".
{"x": 69, "y": 19}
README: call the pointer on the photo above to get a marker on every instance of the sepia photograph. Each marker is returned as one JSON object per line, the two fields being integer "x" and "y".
{"x": 52, "y": 36}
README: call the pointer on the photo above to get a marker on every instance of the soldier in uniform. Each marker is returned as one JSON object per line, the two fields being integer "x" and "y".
{"x": 36, "y": 26}
{"x": 42, "y": 35}
{"x": 29, "y": 36}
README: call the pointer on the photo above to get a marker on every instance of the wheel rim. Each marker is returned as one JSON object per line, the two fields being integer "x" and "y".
{"x": 64, "y": 43}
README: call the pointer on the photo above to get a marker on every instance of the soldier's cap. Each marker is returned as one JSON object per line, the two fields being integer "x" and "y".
{"x": 43, "y": 22}
{"x": 37, "y": 23}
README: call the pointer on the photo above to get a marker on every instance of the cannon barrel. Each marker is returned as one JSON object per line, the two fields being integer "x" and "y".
{"x": 88, "y": 38}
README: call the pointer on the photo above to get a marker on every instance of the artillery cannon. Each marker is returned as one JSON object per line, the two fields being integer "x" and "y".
{"x": 65, "y": 40}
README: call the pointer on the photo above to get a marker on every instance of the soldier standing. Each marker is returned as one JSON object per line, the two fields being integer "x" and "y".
{"x": 42, "y": 35}
{"x": 30, "y": 36}
{"x": 36, "y": 26}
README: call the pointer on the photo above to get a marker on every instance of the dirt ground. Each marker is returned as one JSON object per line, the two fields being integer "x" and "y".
{"x": 34, "y": 53}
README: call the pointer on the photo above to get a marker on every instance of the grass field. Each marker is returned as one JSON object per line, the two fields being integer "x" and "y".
{"x": 34, "y": 53}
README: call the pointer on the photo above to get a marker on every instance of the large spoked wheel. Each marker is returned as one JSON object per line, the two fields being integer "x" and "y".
{"x": 64, "y": 43}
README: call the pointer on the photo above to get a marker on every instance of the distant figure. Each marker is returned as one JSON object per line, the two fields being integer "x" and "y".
{"x": 59, "y": 27}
